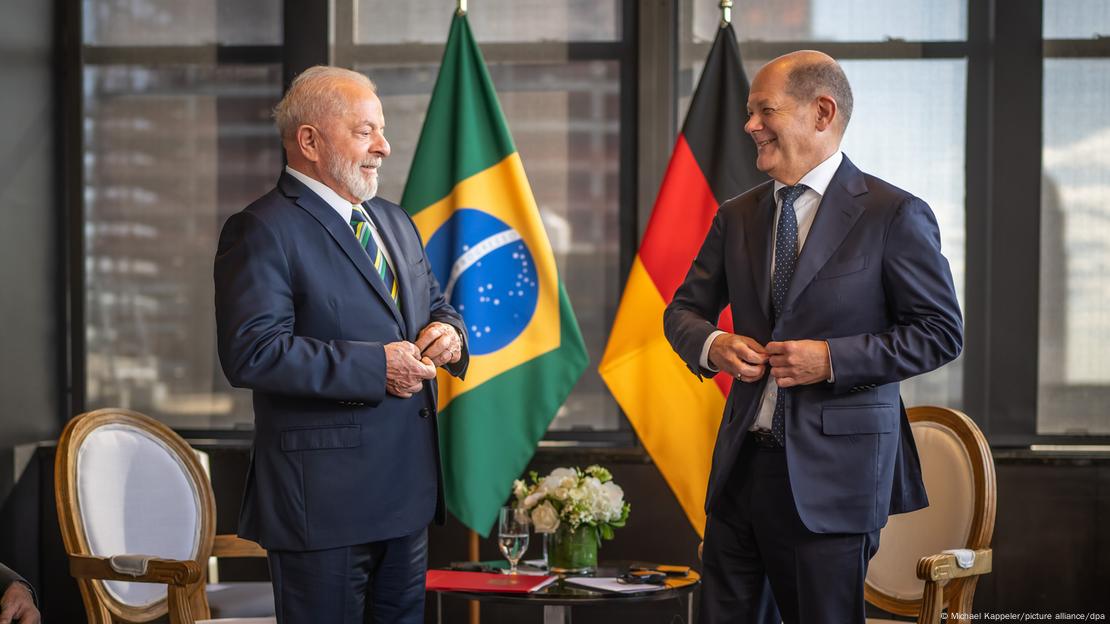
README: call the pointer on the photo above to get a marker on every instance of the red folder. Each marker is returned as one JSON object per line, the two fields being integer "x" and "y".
{"x": 454, "y": 580}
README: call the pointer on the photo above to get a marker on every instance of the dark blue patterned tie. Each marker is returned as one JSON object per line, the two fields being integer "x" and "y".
{"x": 786, "y": 256}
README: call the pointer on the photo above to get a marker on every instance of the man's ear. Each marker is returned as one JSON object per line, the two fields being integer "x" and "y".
{"x": 826, "y": 112}
{"x": 308, "y": 142}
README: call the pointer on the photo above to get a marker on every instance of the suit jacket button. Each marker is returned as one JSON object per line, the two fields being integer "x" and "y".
{"x": 425, "y": 412}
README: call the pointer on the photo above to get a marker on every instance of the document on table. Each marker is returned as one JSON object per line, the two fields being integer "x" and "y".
{"x": 611, "y": 584}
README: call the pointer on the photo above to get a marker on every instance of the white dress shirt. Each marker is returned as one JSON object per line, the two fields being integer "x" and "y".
{"x": 344, "y": 208}
{"x": 805, "y": 207}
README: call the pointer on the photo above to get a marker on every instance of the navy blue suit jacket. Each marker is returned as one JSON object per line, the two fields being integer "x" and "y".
{"x": 871, "y": 281}
{"x": 302, "y": 319}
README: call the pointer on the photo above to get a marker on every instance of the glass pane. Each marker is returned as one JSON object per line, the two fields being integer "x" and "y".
{"x": 176, "y": 22}
{"x": 427, "y": 21}
{"x": 565, "y": 119}
{"x": 1076, "y": 19}
{"x": 1074, "y": 390}
{"x": 170, "y": 153}
{"x": 833, "y": 20}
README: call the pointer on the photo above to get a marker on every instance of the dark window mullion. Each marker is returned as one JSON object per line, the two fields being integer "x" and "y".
{"x": 841, "y": 50}
{"x": 181, "y": 55}
{"x": 1012, "y": 238}
{"x": 524, "y": 52}
{"x": 1077, "y": 48}
{"x": 305, "y": 36}
{"x": 628, "y": 217}
{"x": 71, "y": 210}
{"x": 977, "y": 215}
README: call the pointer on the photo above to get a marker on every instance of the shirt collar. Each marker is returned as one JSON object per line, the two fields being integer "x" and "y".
{"x": 340, "y": 205}
{"x": 818, "y": 178}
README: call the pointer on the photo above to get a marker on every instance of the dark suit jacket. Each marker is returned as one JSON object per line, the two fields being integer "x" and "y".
{"x": 871, "y": 281}
{"x": 8, "y": 576}
{"x": 302, "y": 319}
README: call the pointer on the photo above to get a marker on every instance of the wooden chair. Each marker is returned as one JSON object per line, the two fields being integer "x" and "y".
{"x": 959, "y": 476}
{"x": 138, "y": 520}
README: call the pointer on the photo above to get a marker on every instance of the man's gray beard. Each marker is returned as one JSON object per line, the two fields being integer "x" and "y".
{"x": 349, "y": 175}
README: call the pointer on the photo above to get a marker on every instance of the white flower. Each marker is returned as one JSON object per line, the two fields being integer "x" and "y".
{"x": 557, "y": 478}
{"x": 532, "y": 499}
{"x": 614, "y": 496}
{"x": 583, "y": 498}
{"x": 544, "y": 518}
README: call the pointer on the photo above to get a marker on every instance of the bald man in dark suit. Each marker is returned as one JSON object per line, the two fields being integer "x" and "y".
{"x": 839, "y": 292}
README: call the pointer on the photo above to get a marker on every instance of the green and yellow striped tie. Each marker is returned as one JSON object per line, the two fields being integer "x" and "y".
{"x": 360, "y": 222}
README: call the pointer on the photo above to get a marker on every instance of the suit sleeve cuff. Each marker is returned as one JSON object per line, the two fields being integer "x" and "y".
{"x": 832, "y": 372}
{"x": 703, "y": 361}
{"x": 30, "y": 590}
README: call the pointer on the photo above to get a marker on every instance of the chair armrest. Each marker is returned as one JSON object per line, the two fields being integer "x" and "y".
{"x": 165, "y": 571}
{"x": 943, "y": 567}
{"x": 936, "y": 571}
{"x": 235, "y": 546}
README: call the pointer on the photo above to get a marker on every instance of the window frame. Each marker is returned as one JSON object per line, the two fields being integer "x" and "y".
{"x": 308, "y": 29}
{"x": 1005, "y": 52}
{"x": 74, "y": 56}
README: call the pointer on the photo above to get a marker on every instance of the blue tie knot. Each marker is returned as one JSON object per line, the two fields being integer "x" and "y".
{"x": 790, "y": 194}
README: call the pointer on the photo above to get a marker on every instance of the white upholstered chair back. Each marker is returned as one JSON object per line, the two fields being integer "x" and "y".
{"x": 135, "y": 496}
{"x": 128, "y": 485}
{"x": 959, "y": 477}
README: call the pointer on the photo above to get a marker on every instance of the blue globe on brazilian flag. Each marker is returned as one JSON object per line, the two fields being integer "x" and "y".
{"x": 470, "y": 199}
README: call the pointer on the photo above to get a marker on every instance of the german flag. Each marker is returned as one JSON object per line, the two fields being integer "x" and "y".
{"x": 675, "y": 415}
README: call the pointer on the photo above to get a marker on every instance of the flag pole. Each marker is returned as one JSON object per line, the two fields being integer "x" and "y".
{"x": 460, "y": 9}
{"x": 472, "y": 539}
{"x": 726, "y": 12}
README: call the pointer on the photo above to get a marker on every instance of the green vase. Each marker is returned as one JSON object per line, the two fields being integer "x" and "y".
{"x": 573, "y": 551}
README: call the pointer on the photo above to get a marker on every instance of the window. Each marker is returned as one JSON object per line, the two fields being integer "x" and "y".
{"x": 493, "y": 21}
{"x": 1074, "y": 355}
{"x": 797, "y": 21}
{"x": 175, "y": 139}
{"x": 160, "y": 23}
{"x": 177, "y": 136}
{"x": 971, "y": 106}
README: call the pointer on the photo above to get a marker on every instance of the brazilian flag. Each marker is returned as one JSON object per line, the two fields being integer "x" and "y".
{"x": 470, "y": 199}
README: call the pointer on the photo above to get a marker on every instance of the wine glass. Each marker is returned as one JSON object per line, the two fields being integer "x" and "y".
{"x": 512, "y": 534}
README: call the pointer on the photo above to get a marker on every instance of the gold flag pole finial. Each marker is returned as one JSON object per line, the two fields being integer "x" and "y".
{"x": 461, "y": 10}
{"x": 726, "y": 12}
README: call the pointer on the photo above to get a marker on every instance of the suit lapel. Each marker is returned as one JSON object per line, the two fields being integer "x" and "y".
{"x": 836, "y": 215}
{"x": 387, "y": 229}
{"x": 758, "y": 233}
{"x": 341, "y": 233}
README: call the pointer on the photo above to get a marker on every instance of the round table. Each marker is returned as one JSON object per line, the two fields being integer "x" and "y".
{"x": 558, "y": 598}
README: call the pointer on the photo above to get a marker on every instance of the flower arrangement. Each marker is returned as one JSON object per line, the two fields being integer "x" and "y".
{"x": 573, "y": 497}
